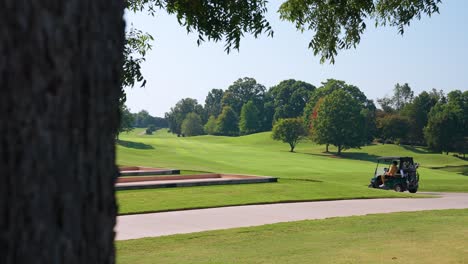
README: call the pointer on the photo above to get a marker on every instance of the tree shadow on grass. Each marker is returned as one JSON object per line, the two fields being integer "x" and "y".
{"x": 360, "y": 156}
{"x": 306, "y": 180}
{"x": 460, "y": 156}
{"x": 415, "y": 150}
{"x": 461, "y": 169}
{"x": 346, "y": 155}
{"x": 134, "y": 145}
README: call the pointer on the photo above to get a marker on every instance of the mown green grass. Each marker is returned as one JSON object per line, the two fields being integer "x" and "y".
{"x": 285, "y": 190}
{"x": 462, "y": 170}
{"x": 307, "y": 174}
{"x": 416, "y": 237}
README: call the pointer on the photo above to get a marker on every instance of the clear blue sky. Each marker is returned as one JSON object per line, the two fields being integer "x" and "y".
{"x": 431, "y": 54}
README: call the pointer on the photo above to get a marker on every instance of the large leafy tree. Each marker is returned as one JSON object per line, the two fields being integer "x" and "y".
{"x": 368, "y": 109}
{"x": 73, "y": 87}
{"x": 192, "y": 125}
{"x": 210, "y": 126}
{"x": 179, "y": 112}
{"x": 393, "y": 127}
{"x": 417, "y": 115}
{"x": 330, "y": 86}
{"x": 290, "y": 98}
{"x": 266, "y": 117}
{"x": 441, "y": 132}
{"x": 339, "y": 24}
{"x": 249, "y": 119}
{"x": 242, "y": 91}
{"x": 289, "y": 130}
{"x": 447, "y": 127}
{"x": 339, "y": 122}
{"x": 227, "y": 123}
{"x": 137, "y": 44}
{"x": 213, "y": 104}
{"x": 213, "y": 20}
{"x": 459, "y": 100}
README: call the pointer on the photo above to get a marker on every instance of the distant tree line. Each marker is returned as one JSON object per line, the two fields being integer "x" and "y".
{"x": 245, "y": 107}
{"x": 142, "y": 119}
{"x": 336, "y": 113}
{"x": 431, "y": 118}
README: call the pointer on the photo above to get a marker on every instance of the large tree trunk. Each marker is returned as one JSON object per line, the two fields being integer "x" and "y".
{"x": 60, "y": 64}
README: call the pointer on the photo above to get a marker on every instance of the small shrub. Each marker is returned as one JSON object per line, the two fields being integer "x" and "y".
{"x": 150, "y": 130}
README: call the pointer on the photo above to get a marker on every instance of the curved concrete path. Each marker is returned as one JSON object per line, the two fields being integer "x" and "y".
{"x": 180, "y": 222}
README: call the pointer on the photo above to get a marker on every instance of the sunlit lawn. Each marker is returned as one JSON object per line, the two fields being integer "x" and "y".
{"x": 416, "y": 237}
{"x": 307, "y": 174}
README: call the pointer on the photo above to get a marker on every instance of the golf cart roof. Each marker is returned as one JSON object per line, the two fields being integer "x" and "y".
{"x": 393, "y": 158}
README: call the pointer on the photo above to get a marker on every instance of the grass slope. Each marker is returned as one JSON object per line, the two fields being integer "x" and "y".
{"x": 306, "y": 175}
{"x": 416, "y": 237}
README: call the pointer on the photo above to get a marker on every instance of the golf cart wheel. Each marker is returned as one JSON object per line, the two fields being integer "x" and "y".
{"x": 413, "y": 190}
{"x": 398, "y": 188}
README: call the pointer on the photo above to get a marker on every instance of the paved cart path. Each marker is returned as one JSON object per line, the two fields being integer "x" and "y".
{"x": 180, "y": 222}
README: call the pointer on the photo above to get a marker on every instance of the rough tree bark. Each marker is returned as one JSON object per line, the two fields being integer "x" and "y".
{"x": 60, "y": 64}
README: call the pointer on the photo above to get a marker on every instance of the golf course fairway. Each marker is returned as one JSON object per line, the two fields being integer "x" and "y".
{"x": 306, "y": 175}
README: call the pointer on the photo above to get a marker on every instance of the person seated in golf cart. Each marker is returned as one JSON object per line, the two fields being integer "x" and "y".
{"x": 390, "y": 173}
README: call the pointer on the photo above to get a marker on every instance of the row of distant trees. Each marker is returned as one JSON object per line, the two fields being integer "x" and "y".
{"x": 431, "y": 118}
{"x": 142, "y": 119}
{"x": 245, "y": 107}
{"x": 336, "y": 113}
{"x": 339, "y": 114}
